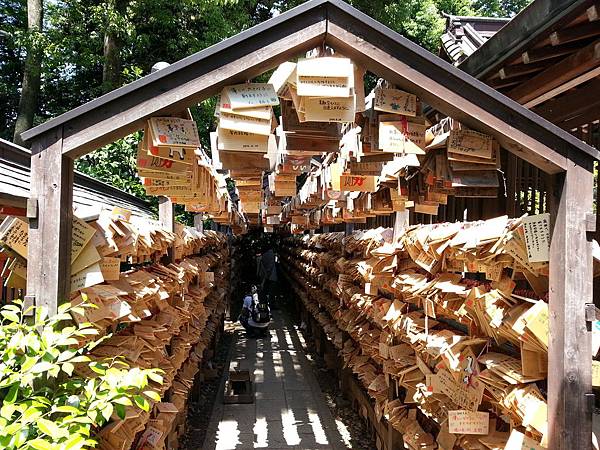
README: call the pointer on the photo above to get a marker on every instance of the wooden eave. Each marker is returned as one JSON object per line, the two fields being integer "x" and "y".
{"x": 527, "y": 28}
{"x": 350, "y": 32}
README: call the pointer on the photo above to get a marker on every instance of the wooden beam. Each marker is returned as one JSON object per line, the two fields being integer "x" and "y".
{"x": 573, "y": 34}
{"x": 570, "y": 104}
{"x": 49, "y": 249}
{"x": 536, "y": 55}
{"x": 569, "y": 349}
{"x": 166, "y": 216}
{"x": 440, "y": 96}
{"x": 519, "y": 70}
{"x": 189, "y": 86}
{"x": 198, "y": 222}
{"x": 585, "y": 60}
{"x": 593, "y": 12}
{"x": 586, "y": 116}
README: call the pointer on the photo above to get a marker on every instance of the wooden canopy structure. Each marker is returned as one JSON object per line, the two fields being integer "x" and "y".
{"x": 548, "y": 59}
{"x": 567, "y": 162}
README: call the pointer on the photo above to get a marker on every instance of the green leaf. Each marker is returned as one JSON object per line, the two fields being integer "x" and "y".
{"x": 50, "y": 428}
{"x": 67, "y": 409}
{"x": 10, "y": 316}
{"x": 122, "y": 401}
{"x": 42, "y": 366}
{"x": 98, "y": 368}
{"x": 120, "y": 410}
{"x": 141, "y": 402}
{"x": 11, "y": 396}
{"x": 40, "y": 444}
{"x": 155, "y": 377}
{"x": 7, "y": 410}
{"x": 29, "y": 363}
{"x": 152, "y": 395}
{"x": 79, "y": 359}
{"x": 75, "y": 442}
{"x": 41, "y": 313}
{"x": 107, "y": 411}
{"x": 68, "y": 368}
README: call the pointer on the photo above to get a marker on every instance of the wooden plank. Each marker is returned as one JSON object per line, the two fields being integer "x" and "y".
{"x": 519, "y": 70}
{"x": 569, "y": 349}
{"x": 449, "y": 101}
{"x": 49, "y": 249}
{"x": 535, "y": 55}
{"x": 190, "y": 85}
{"x": 588, "y": 115}
{"x": 576, "y": 33}
{"x": 571, "y": 67}
{"x": 571, "y": 103}
{"x": 166, "y": 216}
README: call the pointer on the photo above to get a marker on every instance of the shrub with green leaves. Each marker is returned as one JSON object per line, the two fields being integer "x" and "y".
{"x": 44, "y": 404}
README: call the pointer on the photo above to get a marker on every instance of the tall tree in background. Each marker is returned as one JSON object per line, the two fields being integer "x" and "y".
{"x": 113, "y": 44}
{"x": 30, "y": 88}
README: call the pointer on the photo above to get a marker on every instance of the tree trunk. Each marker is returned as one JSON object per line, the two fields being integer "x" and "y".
{"x": 111, "y": 71}
{"x": 31, "y": 74}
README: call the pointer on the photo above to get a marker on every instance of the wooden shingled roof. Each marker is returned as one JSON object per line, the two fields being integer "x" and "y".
{"x": 89, "y": 194}
{"x": 351, "y": 33}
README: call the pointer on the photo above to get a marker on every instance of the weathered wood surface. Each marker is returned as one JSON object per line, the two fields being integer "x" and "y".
{"x": 166, "y": 216}
{"x": 189, "y": 87}
{"x": 49, "y": 249}
{"x": 569, "y": 350}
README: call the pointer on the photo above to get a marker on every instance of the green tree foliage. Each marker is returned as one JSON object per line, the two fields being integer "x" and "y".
{"x": 499, "y": 8}
{"x": 149, "y": 31}
{"x": 45, "y": 405}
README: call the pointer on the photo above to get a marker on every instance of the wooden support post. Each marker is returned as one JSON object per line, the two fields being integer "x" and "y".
{"x": 166, "y": 216}
{"x": 198, "y": 222}
{"x": 349, "y": 228}
{"x": 49, "y": 249}
{"x": 400, "y": 223}
{"x": 570, "y": 401}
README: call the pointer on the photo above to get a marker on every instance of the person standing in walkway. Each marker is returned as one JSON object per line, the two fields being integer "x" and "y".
{"x": 267, "y": 271}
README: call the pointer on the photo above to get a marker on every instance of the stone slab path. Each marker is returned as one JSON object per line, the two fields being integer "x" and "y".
{"x": 289, "y": 411}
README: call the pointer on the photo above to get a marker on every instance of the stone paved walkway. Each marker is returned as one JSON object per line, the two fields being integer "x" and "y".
{"x": 289, "y": 411}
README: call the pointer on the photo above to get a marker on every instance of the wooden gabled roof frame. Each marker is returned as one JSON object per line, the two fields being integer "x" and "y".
{"x": 567, "y": 161}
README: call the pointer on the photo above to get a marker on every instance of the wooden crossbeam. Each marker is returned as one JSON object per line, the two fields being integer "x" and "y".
{"x": 574, "y": 65}
{"x": 519, "y": 70}
{"x": 588, "y": 115}
{"x": 573, "y": 34}
{"x": 192, "y": 85}
{"x": 570, "y": 104}
{"x": 536, "y": 55}
{"x": 593, "y": 12}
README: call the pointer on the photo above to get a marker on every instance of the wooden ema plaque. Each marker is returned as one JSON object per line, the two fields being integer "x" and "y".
{"x": 293, "y": 142}
{"x": 470, "y": 143}
{"x": 251, "y": 125}
{"x": 395, "y": 101}
{"x": 318, "y": 109}
{"x": 235, "y": 140}
{"x": 243, "y": 160}
{"x": 251, "y": 95}
{"x": 324, "y": 77}
{"x": 359, "y": 183}
{"x": 149, "y": 163}
{"x": 402, "y": 136}
{"x": 290, "y": 123}
{"x": 179, "y": 154}
{"x": 173, "y": 132}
